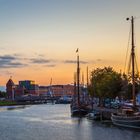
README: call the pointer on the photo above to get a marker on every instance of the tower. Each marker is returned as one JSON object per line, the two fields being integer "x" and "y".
{"x": 9, "y": 88}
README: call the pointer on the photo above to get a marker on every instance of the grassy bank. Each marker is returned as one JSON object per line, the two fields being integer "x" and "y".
{"x": 6, "y": 103}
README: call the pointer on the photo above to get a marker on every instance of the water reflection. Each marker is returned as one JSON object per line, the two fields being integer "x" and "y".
{"x": 3, "y": 108}
{"x": 50, "y": 122}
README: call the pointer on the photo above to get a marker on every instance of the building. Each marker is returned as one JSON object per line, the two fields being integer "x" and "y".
{"x": 57, "y": 90}
{"x": 10, "y": 88}
{"x": 23, "y": 88}
{"x": 28, "y": 87}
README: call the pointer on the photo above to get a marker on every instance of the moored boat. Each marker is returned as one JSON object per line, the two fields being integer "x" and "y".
{"x": 75, "y": 111}
{"x": 94, "y": 115}
{"x": 129, "y": 117}
{"x": 78, "y": 108}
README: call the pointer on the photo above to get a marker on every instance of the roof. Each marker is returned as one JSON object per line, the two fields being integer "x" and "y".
{"x": 10, "y": 82}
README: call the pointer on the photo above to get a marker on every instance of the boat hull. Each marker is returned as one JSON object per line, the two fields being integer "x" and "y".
{"x": 94, "y": 115}
{"x": 126, "y": 121}
{"x": 79, "y": 112}
{"x": 75, "y": 111}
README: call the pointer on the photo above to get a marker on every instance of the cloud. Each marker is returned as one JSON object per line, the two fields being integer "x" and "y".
{"x": 7, "y": 57}
{"x": 83, "y": 62}
{"x": 6, "y": 61}
{"x": 52, "y": 65}
{"x": 70, "y": 61}
{"x": 11, "y": 65}
{"x": 99, "y": 60}
{"x": 39, "y": 61}
{"x": 17, "y": 64}
{"x": 73, "y": 62}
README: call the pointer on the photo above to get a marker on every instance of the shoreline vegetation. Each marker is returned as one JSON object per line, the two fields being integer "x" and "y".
{"x": 8, "y": 103}
{"x": 14, "y": 103}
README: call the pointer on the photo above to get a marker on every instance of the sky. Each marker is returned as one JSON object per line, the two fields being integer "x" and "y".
{"x": 39, "y": 38}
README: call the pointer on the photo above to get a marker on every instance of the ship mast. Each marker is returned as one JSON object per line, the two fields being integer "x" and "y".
{"x": 78, "y": 76}
{"x": 87, "y": 76}
{"x": 133, "y": 60}
{"x": 75, "y": 83}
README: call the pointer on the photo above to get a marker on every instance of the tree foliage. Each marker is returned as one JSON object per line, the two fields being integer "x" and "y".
{"x": 2, "y": 94}
{"x": 105, "y": 83}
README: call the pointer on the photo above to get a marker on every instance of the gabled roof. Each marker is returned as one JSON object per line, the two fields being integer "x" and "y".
{"x": 10, "y": 82}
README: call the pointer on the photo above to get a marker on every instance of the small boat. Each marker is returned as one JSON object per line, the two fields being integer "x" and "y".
{"x": 75, "y": 111}
{"x": 130, "y": 116}
{"x": 94, "y": 115}
{"x": 127, "y": 118}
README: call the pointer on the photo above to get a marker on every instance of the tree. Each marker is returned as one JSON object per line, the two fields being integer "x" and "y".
{"x": 2, "y": 94}
{"x": 105, "y": 83}
{"x": 127, "y": 85}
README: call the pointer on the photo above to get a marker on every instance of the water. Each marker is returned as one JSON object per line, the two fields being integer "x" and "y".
{"x": 54, "y": 122}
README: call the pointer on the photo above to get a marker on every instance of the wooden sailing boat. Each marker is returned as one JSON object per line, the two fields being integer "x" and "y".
{"x": 129, "y": 117}
{"x": 77, "y": 109}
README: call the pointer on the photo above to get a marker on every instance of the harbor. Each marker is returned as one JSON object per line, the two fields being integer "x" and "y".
{"x": 47, "y": 121}
{"x": 69, "y": 70}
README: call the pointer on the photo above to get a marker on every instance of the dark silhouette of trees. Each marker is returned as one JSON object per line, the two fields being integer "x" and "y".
{"x": 2, "y": 94}
{"x": 107, "y": 83}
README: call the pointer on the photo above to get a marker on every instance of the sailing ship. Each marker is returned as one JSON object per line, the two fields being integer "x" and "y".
{"x": 129, "y": 117}
{"x": 78, "y": 108}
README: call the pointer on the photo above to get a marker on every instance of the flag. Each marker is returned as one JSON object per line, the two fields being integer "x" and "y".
{"x": 77, "y": 50}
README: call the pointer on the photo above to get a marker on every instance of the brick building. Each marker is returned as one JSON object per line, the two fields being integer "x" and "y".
{"x": 23, "y": 88}
{"x": 9, "y": 88}
{"x": 28, "y": 87}
{"x": 57, "y": 90}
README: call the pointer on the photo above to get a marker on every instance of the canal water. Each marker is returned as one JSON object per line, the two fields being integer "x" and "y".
{"x": 54, "y": 122}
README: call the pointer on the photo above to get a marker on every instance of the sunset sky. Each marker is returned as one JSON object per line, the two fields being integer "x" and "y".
{"x": 38, "y": 38}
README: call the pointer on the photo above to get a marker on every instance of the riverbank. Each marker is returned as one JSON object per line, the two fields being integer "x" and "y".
{"x": 14, "y": 103}
{"x": 7, "y": 103}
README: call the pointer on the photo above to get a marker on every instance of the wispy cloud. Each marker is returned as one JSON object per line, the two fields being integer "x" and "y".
{"x": 6, "y": 61}
{"x": 99, "y": 59}
{"x": 70, "y": 61}
{"x": 52, "y": 65}
{"x": 39, "y": 61}
{"x": 73, "y": 62}
{"x": 11, "y": 64}
{"x": 7, "y": 57}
